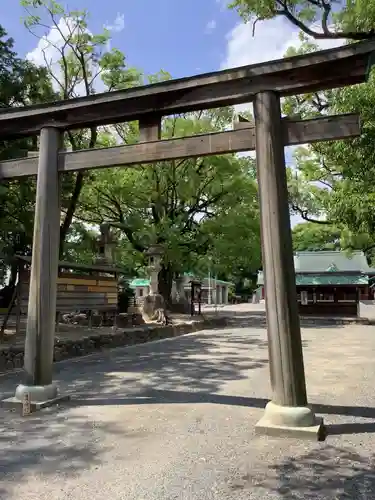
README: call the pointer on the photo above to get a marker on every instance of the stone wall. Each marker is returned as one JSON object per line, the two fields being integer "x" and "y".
{"x": 11, "y": 357}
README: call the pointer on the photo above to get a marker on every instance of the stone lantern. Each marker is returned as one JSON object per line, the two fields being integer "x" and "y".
{"x": 106, "y": 245}
{"x": 180, "y": 290}
{"x": 154, "y": 253}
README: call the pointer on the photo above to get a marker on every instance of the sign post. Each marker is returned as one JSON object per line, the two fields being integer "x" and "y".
{"x": 26, "y": 404}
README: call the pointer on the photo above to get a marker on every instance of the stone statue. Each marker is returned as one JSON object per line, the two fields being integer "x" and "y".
{"x": 153, "y": 308}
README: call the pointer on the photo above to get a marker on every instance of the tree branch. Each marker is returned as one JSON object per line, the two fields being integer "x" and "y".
{"x": 129, "y": 234}
{"x": 327, "y": 34}
{"x": 71, "y": 209}
{"x": 370, "y": 247}
{"x": 304, "y": 215}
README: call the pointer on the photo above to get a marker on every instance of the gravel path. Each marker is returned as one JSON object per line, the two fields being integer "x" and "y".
{"x": 175, "y": 420}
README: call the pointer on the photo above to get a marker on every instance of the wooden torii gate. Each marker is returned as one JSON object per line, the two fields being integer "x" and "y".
{"x": 264, "y": 84}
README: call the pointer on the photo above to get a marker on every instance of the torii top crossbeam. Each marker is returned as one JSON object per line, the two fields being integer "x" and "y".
{"x": 321, "y": 70}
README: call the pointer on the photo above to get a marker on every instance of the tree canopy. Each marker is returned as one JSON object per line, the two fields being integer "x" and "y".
{"x": 319, "y": 19}
{"x": 309, "y": 236}
{"x": 21, "y": 83}
{"x": 330, "y": 184}
{"x": 202, "y": 210}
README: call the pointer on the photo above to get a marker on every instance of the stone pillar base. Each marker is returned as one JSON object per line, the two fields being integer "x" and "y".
{"x": 41, "y": 396}
{"x": 290, "y": 421}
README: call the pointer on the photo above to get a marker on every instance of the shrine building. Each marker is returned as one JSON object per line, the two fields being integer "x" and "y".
{"x": 329, "y": 282}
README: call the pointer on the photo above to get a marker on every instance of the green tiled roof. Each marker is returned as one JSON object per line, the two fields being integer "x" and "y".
{"x": 139, "y": 282}
{"x": 322, "y": 267}
{"x": 326, "y": 279}
{"x": 218, "y": 282}
{"x": 146, "y": 282}
{"x": 221, "y": 282}
{"x": 334, "y": 261}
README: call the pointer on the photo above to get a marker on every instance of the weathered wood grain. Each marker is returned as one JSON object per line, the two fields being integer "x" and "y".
{"x": 102, "y": 288}
{"x": 75, "y": 281}
{"x": 321, "y": 70}
{"x": 75, "y": 292}
{"x": 241, "y": 139}
{"x": 283, "y": 329}
{"x": 325, "y": 128}
{"x": 69, "y": 301}
{"x": 97, "y": 268}
{"x": 40, "y": 328}
{"x": 102, "y": 282}
{"x": 150, "y": 128}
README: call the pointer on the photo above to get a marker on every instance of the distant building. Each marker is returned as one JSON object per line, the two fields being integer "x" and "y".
{"x": 329, "y": 282}
{"x": 217, "y": 289}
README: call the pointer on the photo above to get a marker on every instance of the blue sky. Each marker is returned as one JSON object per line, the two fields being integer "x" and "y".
{"x": 181, "y": 37}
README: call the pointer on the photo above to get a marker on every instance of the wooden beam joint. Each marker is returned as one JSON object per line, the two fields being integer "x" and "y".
{"x": 150, "y": 128}
{"x": 324, "y": 128}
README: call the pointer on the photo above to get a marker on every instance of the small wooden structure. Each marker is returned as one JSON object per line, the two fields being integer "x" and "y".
{"x": 329, "y": 283}
{"x": 335, "y": 295}
{"x": 80, "y": 287}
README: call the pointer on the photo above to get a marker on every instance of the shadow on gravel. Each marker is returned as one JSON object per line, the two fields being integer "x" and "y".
{"x": 51, "y": 442}
{"x": 200, "y": 362}
{"x": 155, "y": 396}
{"x": 186, "y": 369}
{"x": 65, "y": 440}
{"x": 257, "y": 319}
{"x": 328, "y": 473}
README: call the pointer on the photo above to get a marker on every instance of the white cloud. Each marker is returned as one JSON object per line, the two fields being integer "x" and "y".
{"x": 118, "y": 24}
{"x": 48, "y": 52}
{"x": 48, "y": 49}
{"x": 271, "y": 40}
{"x": 210, "y": 27}
{"x": 116, "y": 27}
{"x": 223, "y": 4}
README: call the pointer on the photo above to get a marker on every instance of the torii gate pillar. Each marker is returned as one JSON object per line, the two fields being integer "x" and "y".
{"x": 38, "y": 387}
{"x": 288, "y": 413}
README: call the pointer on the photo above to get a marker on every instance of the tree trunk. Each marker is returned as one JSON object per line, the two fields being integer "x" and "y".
{"x": 70, "y": 212}
{"x": 165, "y": 278}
